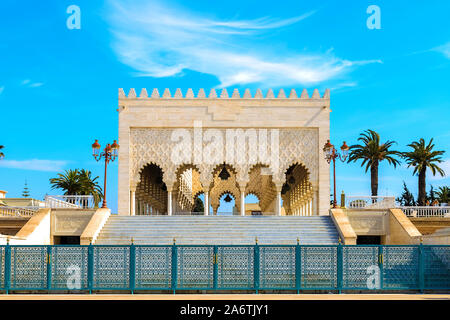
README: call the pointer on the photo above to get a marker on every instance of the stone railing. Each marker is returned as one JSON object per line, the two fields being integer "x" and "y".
{"x": 427, "y": 212}
{"x": 18, "y": 211}
{"x": 69, "y": 201}
{"x": 369, "y": 202}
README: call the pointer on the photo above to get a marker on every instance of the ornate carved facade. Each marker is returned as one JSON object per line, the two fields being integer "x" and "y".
{"x": 270, "y": 146}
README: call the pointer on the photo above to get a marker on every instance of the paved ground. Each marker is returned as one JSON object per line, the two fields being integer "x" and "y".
{"x": 226, "y": 297}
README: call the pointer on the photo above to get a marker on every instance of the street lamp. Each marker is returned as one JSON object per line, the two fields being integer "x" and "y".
{"x": 331, "y": 154}
{"x": 109, "y": 154}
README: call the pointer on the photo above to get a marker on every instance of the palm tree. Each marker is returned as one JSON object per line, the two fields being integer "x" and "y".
{"x": 69, "y": 181}
{"x": 90, "y": 186}
{"x": 443, "y": 194}
{"x": 2, "y": 155}
{"x": 422, "y": 157}
{"x": 78, "y": 182}
{"x": 371, "y": 152}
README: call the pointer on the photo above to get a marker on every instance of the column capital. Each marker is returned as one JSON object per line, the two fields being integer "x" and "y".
{"x": 278, "y": 186}
{"x": 169, "y": 187}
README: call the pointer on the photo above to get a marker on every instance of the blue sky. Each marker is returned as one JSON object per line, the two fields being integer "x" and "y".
{"x": 58, "y": 87}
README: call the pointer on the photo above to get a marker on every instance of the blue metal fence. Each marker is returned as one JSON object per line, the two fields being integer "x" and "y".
{"x": 234, "y": 267}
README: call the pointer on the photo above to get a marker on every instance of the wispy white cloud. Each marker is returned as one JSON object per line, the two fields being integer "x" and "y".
{"x": 2, "y": 88}
{"x": 34, "y": 164}
{"x": 343, "y": 85}
{"x": 444, "y": 49}
{"x": 161, "y": 41}
{"x": 30, "y": 84}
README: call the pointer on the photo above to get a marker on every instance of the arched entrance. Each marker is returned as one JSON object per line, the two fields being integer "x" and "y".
{"x": 224, "y": 183}
{"x": 227, "y": 205}
{"x": 151, "y": 192}
{"x": 261, "y": 185}
{"x": 186, "y": 190}
{"x": 297, "y": 192}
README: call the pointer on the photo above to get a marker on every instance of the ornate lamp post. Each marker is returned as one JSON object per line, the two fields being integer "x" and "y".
{"x": 109, "y": 154}
{"x": 331, "y": 154}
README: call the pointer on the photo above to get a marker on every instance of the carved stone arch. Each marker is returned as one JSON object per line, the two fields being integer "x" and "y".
{"x": 152, "y": 146}
{"x": 221, "y": 194}
{"x": 254, "y": 194}
{"x": 298, "y": 195}
{"x": 235, "y": 194}
{"x": 185, "y": 166}
{"x": 139, "y": 169}
{"x": 248, "y": 168}
{"x": 299, "y": 146}
{"x": 281, "y": 177}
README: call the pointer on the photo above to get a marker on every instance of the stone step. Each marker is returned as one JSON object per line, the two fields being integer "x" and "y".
{"x": 210, "y": 230}
{"x": 217, "y": 227}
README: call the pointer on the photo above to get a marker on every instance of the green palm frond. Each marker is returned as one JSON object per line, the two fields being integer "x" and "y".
{"x": 78, "y": 182}
{"x": 423, "y": 156}
{"x": 371, "y": 152}
{"x": 443, "y": 194}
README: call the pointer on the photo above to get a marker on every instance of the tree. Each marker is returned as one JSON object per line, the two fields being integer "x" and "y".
{"x": 371, "y": 152}
{"x": 406, "y": 199}
{"x": 2, "y": 155}
{"x": 90, "y": 186}
{"x": 26, "y": 191}
{"x": 443, "y": 194}
{"x": 78, "y": 182}
{"x": 431, "y": 195}
{"x": 422, "y": 157}
{"x": 69, "y": 181}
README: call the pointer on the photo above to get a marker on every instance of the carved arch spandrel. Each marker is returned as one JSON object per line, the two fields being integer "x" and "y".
{"x": 154, "y": 145}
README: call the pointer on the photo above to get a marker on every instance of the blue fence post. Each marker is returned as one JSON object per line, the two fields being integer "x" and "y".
{"x": 7, "y": 266}
{"x": 381, "y": 265}
{"x": 256, "y": 271}
{"x": 421, "y": 267}
{"x": 215, "y": 267}
{"x": 49, "y": 267}
{"x": 90, "y": 267}
{"x": 174, "y": 266}
{"x": 340, "y": 266}
{"x": 132, "y": 266}
{"x": 298, "y": 266}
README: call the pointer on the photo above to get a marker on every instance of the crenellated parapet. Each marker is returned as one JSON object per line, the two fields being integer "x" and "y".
{"x": 223, "y": 94}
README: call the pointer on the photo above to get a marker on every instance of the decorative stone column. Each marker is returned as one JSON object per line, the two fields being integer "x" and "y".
{"x": 242, "y": 202}
{"x": 132, "y": 202}
{"x": 278, "y": 200}
{"x": 206, "y": 204}
{"x": 169, "y": 202}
